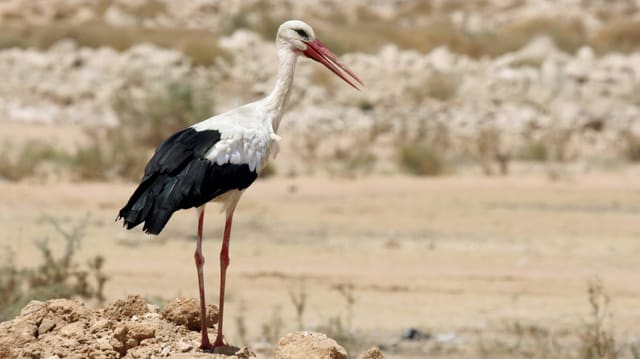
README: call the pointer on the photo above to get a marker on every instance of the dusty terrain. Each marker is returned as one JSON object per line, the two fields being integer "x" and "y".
{"x": 132, "y": 328}
{"x": 460, "y": 258}
{"x": 487, "y": 80}
{"x": 459, "y": 265}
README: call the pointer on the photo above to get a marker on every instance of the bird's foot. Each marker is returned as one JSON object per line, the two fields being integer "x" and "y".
{"x": 207, "y": 347}
{"x": 205, "y": 344}
{"x": 219, "y": 342}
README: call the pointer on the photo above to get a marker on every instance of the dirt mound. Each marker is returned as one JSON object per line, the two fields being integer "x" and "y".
{"x": 186, "y": 311}
{"x": 129, "y": 328}
{"x": 132, "y": 328}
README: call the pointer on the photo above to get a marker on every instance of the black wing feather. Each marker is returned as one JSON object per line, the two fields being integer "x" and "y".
{"x": 178, "y": 176}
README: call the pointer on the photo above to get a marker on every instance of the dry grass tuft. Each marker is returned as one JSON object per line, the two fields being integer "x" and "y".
{"x": 122, "y": 151}
{"x": 533, "y": 150}
{"x": 442, "y": 86}
{"x": 29, "y": 159}
{"x": 144, "y": 123}
{"x": 54, "y": 277}
{"x": 597, "y": 341}
{"x": 419, "y": 159}
{"x": 632, "y": 146}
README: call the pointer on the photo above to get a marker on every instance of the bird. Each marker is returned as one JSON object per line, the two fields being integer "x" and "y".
{"x": 217, "y": 159}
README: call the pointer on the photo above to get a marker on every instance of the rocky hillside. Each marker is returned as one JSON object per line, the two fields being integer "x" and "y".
{"x": 544, "y": 78}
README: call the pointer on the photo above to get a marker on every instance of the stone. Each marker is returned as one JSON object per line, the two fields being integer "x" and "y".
{"x": 73, "y": 330}
{"x": 186, "y": 311}
{"x": 140, "y": 331}
{"x": 373, "y": 353}
{"x": 121, "y": 309}
{"x": 120, "y": 333}
{"x": 309, "y": 345}
{"x": 45, "y": 326}
{"x": 100, "y": 325}
{"x": 183, "y": 346}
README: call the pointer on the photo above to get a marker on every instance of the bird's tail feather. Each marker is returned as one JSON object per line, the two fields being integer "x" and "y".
{"x": 151, "y": 203}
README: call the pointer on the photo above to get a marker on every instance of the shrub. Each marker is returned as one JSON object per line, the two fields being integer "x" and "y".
{"x": 632, "y": 146}
{"x": 534, "y": 151}
{"x": 28, "y": 159}
{"x": 123, "y": 151}
{"x": 596, "y": 339}
{"x": 442, "y": 86}
{"x": 419, "y": 159}
{"x": 154, "y": 118}
{"x": 54, "y": 277}
{"x": 269, "y": 170}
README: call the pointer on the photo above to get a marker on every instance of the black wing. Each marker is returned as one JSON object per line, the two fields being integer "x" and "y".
{"x": 178, "y": 176}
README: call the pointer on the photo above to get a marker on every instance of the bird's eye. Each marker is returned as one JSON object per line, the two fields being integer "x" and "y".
{"x": 302, "y": 33}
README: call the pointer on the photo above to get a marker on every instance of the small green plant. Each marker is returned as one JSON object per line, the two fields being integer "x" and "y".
{"x": 10, "y": 284}
{"x": 442, "y": 86}
{"x": 269, "y": 170}
{"x": 340, "y": 327}
{"x": 272, "y": 329}
{"x": 336, "y": 329}
{"x": 596, "y": 339}
{"x": 536, "y": 151}
{"x": 349, "y": 163}
{"x": 241, "y": 325}
{"x": 91, "y": 162}
{"x": 150, "y": 120}
{"x": 123, "y": 151}
{"x": 420, "y": 159}
{"x": 595, "y": 336}
{"x": 54, "y": 277}
{"x": 632, "y": 146}
{"x": 299, "y": 300}
{"x": 28, "y": 159}
{"x": 346, "y": 290}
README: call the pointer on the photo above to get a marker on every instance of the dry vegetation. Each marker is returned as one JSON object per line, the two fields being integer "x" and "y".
{"x": 26, "y": 160}
{"x": 596, "y": 338}
{"x": 366, "y": 32}
{"x": 122, "y": 151}
{"x": 53, "y": 277}
{"x": 420, "y": 146}
{"x": 117, "y": 152}
{"x": 200, "y": 45}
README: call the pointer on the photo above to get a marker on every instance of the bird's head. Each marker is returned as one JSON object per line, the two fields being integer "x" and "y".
{"x": 300, "y": 38}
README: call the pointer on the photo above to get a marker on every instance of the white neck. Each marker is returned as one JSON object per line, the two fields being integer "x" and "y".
{"x": 277, "y": 99}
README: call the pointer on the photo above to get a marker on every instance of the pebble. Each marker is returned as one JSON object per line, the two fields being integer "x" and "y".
{"x": 45, "y": 326}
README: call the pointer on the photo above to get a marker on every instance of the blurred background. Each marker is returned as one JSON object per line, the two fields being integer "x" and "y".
{"x": 479, "y": 198}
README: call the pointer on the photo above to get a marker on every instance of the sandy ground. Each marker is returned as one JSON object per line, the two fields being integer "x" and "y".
{"x": 452, "y": 254}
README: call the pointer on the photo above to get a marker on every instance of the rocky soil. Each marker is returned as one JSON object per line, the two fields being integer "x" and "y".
{"x": 584, "y": 103}
{"x": 217, "y": 14}
{"x": 132, "y": 328}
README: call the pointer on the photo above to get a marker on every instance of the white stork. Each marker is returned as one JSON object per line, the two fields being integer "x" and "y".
{"x": 217, "y": 159}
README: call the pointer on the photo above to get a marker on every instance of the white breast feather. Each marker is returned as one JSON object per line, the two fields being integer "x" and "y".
{"x": 243, "y": 138}
{"x": 240, "y": 145}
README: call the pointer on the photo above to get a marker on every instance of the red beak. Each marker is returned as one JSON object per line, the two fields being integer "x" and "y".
{"x": 317, "y": 51}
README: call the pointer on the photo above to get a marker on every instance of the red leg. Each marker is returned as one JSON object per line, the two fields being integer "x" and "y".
{"x": 224, "y": 263}
{"x": 205, "y": 343}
